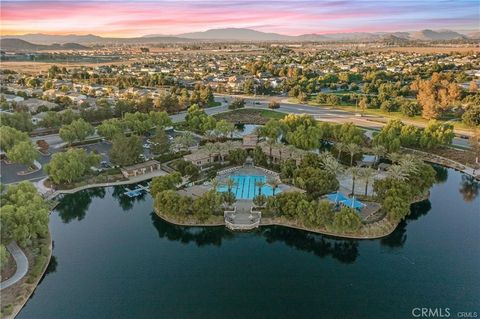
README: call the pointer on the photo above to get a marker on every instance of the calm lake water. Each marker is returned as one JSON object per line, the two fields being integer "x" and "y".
{"x": 113, "y": 258}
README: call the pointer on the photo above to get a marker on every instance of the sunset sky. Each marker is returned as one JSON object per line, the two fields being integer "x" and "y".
{"x": 137, "y": 18}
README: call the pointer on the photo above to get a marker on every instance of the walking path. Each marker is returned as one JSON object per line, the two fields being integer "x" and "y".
{"x": 434, "y": 158}
{"x": 51, "y": 193}
{"x": 22, "y": 265}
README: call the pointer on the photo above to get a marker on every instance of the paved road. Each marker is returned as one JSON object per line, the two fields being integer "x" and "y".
{"x": 22, "y": 265}
{"x": 370, "y": 122}
{"x": 329, "y": 115}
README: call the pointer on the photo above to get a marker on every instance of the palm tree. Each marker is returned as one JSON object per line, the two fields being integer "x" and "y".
{"x": 260, "y": 184}
{"x": 353, "y": 149}
{"x": 279, "y": 147}
{"x": 185, "y": 140}
{"x": 354, "y": 171}
{"x": 230, "y": 184}
{"x": 331, "y": 165}
{"x": 366, "y": 174}
{"x": 271, "y": 142}
{"x": 230, "y": 145}
{"x": 340, "y": 147}
{"x": 274, "y": 183}
{"x": 397, "y": 172}
{"x": 378, "y": 151}
{"x": 410, "y": 163}
{"x": 222, "y": 149}
{"x": 215, "y": 183}
{"x": 394, "y": 157}
{"x": 292, "y": 150}
{"x": 325, "y": 156}
{"x": 210, "y": 148}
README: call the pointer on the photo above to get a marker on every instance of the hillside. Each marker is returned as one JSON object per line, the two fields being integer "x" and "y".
{"x": 239, "y": 34}
{"x": 11, "y": 44}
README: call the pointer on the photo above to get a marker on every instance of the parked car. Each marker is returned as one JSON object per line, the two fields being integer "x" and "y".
{"x": 146, "y": 145}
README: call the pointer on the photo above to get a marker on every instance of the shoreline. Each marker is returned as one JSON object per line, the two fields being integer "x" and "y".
{"x": 285, "y": 223}
{"x": 266, "y": 222}
{"x": 30, "y": 287}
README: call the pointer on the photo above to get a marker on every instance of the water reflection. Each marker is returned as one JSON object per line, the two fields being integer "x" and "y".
{"x": 201, "y": 236}
{"x": 75, "y": 206}
{"x": 126, "y": 202}
{"x": 442, "y": 173}
{"x": 398, "y": 238}
{"x": 52, "y": 265}
{"x": 469, "y": 188}
{"x": 345, "y": 251}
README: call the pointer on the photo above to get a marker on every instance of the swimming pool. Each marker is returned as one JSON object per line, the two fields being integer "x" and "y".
{"x": 245, "y": 186}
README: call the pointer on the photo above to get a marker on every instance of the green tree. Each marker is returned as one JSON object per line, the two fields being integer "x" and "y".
{"x": 287, "y": 168}
{"x": 367, "y": 173}
{"x": 224, "y": 128}
{"x": 166, "y": 182}
{"x": 259, "y": 200}
{"x": 471, "y": 117}
{"x": 273, "y": 129}
{"x": 184, "y": 140}
{"x": 125, "y": 150}
{"x": 346, "y": 220}
{"x": 305, "y": 137}
{"x": 21, "y": 121}
{"x": 315, "y": 181}
{"x": 78, "y": 130}
{"x": 210, "y": 203}
{"x": 237, "y": 156}
{"x": 51, "y": 120}
{"x": 229, "y": 198}
{"x": 237, "y": 103}
{"x": 172, "y": 204}
{"x": 354, "y": 172}
{"x": 321, "y": 214}
{"x": 10, "y": 136}
{"x": 259, "y": 157}
{"x": 389, "y": 136}
{"x": 71, "y": 166}
{"x": 138, "y": 123}
{"x": 436, "y": 134}
{"x": 160, "y": 143}
{"x": 24, "y": 214}
{"x": 110, "y": 128}
{"x": 353, "y": 149}
{"x": 23, "y": 153}
{"x": 4, "y": 256}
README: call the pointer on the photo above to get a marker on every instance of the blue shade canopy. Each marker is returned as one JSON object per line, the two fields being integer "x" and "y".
{"x": 353, "y": 203}
{"x": 336, "y": 197}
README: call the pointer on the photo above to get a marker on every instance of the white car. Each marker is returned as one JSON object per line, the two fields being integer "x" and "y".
{"x": 146, "y": 145}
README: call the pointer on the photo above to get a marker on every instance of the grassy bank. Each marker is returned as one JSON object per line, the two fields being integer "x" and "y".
{"x": 381, "y": 113}
{"x": 250, "y": 116}
{"x": 15, "y": 296}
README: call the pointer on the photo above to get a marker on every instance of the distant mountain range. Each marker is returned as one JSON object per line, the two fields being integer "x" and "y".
{"x": 9, "y": 44}
{"x": 72, "y": 41}
{"x": 252, "y": 35}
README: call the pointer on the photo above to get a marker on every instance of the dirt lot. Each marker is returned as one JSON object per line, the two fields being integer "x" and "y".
{"x": 36, "y": 67}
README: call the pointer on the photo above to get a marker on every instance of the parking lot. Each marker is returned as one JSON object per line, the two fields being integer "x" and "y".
{"x": 9, "y": 172}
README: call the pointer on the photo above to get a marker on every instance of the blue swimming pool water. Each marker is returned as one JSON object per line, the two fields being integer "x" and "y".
{"x": 245, "y": 187}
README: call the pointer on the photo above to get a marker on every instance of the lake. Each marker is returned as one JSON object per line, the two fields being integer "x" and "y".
{"x": 114, "y": 258}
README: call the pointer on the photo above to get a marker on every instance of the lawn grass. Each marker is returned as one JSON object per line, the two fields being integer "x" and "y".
{"x": 387, "y": 115}
{"x": 250, "y": 116}
{"x": 213, "y": 104}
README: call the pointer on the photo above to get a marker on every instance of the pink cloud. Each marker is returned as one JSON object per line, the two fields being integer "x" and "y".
{"x": 133, "y": 18}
